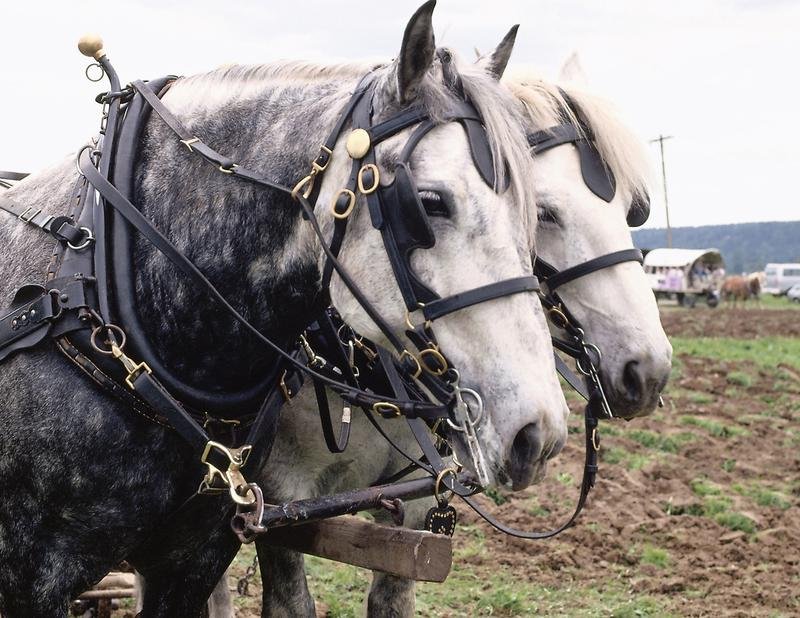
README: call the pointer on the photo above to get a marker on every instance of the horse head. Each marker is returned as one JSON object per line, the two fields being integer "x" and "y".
{"x": 589, "y": 178}
{"x": 452, "y": 190}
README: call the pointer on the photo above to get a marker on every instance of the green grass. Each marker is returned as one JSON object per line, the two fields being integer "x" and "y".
{"x": 670, "y": 443}
{"x": 736, "y": 521}
{"x": 618, "y": 455}
{"x": 655, "y": 555}
{"x": 715, "y": 428}
{"x": 704, "y": 487}
{"x": 765, "y": 352}
{"x": 740, "y": 378}
{"x": 467, "y": 593}
{"x": 762, "y": 496}
{"x": 496, "y": 495}
{"x": 699, "y": 397}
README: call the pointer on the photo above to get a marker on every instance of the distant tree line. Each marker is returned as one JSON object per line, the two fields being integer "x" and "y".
{"x": 745, "y": 247}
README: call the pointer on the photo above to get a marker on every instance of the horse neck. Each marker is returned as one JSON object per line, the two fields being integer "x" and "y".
{"x": 250, "y": 242}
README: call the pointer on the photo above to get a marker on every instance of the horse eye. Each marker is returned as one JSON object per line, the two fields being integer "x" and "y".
{"x": 547, "y": 215}
{"x": 434, "y": 205}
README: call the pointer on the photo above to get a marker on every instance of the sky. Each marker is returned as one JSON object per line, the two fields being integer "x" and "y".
{"x": 718, "y": 75}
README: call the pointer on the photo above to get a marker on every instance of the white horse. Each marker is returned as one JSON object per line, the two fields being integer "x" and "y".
{"x": 614, "y": 305}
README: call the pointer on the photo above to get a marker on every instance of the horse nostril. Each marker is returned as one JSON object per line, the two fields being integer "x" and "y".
{"x": 525, "y": 451}
{"x": 632, "y": 381}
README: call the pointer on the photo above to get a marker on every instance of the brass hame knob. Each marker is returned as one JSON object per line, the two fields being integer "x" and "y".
{"x": 91, "y": 45}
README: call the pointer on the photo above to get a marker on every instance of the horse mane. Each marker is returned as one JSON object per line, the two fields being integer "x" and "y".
{"x": 548, "y": 103}
{"x": 500, "y": 111}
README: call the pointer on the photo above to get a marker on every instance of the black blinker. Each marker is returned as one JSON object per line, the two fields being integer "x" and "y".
{"x": 639, "y": 211}
{"x": 596, "y": 174}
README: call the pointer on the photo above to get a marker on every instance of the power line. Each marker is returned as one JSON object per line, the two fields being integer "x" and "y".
{"x": 660, "y": 139}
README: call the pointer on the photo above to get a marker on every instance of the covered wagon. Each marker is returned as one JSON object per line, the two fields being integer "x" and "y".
{"x": 685, "y": 274}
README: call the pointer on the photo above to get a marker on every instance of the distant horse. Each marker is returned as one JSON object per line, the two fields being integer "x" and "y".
{"x": 742, "y": 288}
{"x": 756, "y": 282}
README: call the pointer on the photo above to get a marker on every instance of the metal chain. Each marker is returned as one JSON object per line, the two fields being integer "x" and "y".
{"x": 243, "y": 585}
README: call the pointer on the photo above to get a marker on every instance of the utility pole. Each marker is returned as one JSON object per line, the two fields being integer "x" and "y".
{"x": 660, "y": 139}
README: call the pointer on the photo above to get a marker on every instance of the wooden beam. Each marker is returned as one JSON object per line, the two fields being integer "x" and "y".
{"x": 413, "y": 554}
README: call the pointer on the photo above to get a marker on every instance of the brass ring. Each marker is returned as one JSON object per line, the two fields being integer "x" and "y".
{"x": 382, "y": 407}
{"x": 558, "y": 317}
{"x": 351, "y": 203}
{"x": 438, "y": 357}
{"x": 112, "y": 327}
{"x": 439, "y": 479}
{"x": 309, "y": 181}
{"x": 418, "y": 372}
{"x": 595, "y": 443}
{"x": 376, "y": 178}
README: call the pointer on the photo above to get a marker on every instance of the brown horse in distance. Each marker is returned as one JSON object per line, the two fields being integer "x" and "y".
{"x": 741, "y": 288}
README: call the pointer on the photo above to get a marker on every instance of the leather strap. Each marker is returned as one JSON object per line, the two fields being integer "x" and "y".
{"x": 13, "y": 175}
{"x": 499, "y": 289}
{"x": 581, "y": 270}
{"x": 165, "y": 246}
{"x": 61, "y": 228}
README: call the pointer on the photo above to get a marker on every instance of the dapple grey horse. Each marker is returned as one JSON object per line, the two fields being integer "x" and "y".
{"x": 88, "y": 482}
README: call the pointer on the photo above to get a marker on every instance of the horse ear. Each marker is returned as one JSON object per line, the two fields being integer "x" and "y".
{"x": 572, "y": 70}
{"x": 498, "y": 61}
{"x": 417, "y": 52}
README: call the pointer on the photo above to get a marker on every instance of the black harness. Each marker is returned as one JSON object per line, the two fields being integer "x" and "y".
{"x": 75, "y": 306}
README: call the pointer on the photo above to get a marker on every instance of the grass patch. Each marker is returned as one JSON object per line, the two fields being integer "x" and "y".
{"x": 565, "y": 478}
{"x": 762, "y": 496}
{"x": 766, "y": 352}
{"x": 655, "y": 555}
{"x": 715, "y": 428}
{"x": 729, "y": 465}
{"x": 736, "y": 521}
{"x": 699, "y": 397}
{"x": 740, "y": 378}
{"x": 667, "y": 443}
{"x": 704, "y": 487}
{"x": 630, "y": 461}
{"x": 495, "y": 495}
{"x": 536, "y": 509}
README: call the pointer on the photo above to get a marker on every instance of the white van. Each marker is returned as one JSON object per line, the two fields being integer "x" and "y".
{"x": 780, "y": 277}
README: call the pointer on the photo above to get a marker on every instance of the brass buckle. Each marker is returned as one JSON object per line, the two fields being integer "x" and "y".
{"x": 317, "y": 166}
{"x": 27, "y": 218}
{"x": 188, "y": 143}
{"x": 558, "y": 317}
{"x": 385, "y": 407}
{"x": 376, "y": 178}
{"x": 350, "y": 204}
{"x": 231, "y": 478}
{"x": 418, "y": 372}
{"x": 438, "y": 357}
